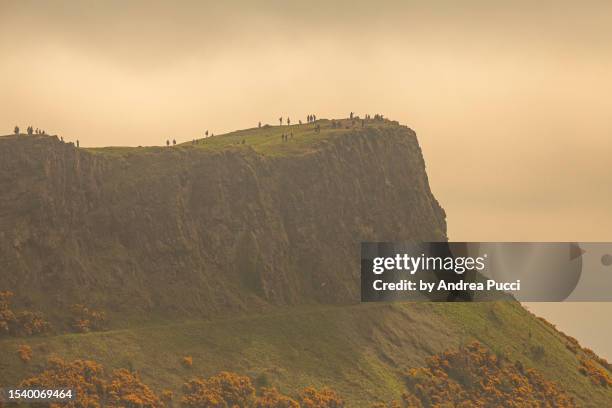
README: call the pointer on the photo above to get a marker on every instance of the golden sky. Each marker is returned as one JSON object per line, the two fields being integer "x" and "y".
{"x": 512, "y": 101}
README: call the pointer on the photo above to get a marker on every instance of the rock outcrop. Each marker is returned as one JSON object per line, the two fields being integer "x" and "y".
{"x": 201, "y": 231}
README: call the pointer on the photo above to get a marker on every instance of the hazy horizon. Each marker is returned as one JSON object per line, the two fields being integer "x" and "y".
{"x": 511, "y": 101}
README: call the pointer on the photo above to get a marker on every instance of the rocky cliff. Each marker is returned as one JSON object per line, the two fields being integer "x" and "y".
{"x": 192, "y": 229}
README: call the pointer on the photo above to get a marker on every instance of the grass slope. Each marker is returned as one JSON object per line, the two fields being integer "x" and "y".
{"x": 359, "y": 350}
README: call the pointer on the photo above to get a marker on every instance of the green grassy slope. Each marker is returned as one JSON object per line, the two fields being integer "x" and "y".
{"x": 359, "y": 350}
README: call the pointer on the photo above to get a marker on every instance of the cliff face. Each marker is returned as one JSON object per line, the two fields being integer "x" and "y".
{"x": 197, "y": 230}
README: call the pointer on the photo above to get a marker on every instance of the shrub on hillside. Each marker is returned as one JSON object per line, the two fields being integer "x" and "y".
{"x": 222, "y": 390}
{"x": 271, "y": 398}
{"x": 537, "y": 351}
{"x": 310, "y": 397}
{"x": 597, "y": 374}
{"x": 23, "y": 323}
{"x": 473, "y": 376}
{"x": 125, "y": 389}
{"x": 83, "y": 376}
{"x": 187, "y": 361}
{"x": 30, "y": 323}
{"x": 85, "y": 319}
{"x": 166, "y": 397}
{"x": 25, "y": 353}
{"x": 7, "y": 316}
{"x": 600, "y": 360}
{"x": 93, "y": 388}
{"x": 227, "y": 390}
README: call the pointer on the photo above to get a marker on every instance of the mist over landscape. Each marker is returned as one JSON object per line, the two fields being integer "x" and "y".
{"x": 510, "y": 102}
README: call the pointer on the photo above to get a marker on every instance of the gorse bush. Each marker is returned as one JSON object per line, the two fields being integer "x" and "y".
{"x": 228, "y": 390}
{"x": 85, "y": 319}
{"x": 85, "y": 377}
{"x": 473, "y": 376}
{"x": 271, "y": 398}
{"x": 220, "y": 391}
{"x": 325, "y": 398}
{"x": 23, "y": 323}
{"x": 30, "y": 323}
{"x": 596, "y": 373}
{"x": 187, "y": 361}
{"x": 92, "y": 387}
{"x": 25, "y": 353}
{"x": 125, "y": 389}
{"x": 167, "y": 396}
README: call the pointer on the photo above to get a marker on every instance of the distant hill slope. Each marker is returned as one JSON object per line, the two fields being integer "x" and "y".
{"x": 207, "y": 228}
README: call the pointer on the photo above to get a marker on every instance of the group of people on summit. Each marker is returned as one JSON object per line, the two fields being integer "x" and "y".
{"x": 312, "y": 118}
{"x": 31, "y": 132}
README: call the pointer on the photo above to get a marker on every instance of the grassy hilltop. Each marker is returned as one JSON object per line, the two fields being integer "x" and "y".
{"x": 267, "y": 140}
{"x": 244, "y": 256}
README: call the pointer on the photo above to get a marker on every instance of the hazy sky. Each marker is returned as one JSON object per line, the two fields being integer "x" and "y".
{"x": 512, "y": 101}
